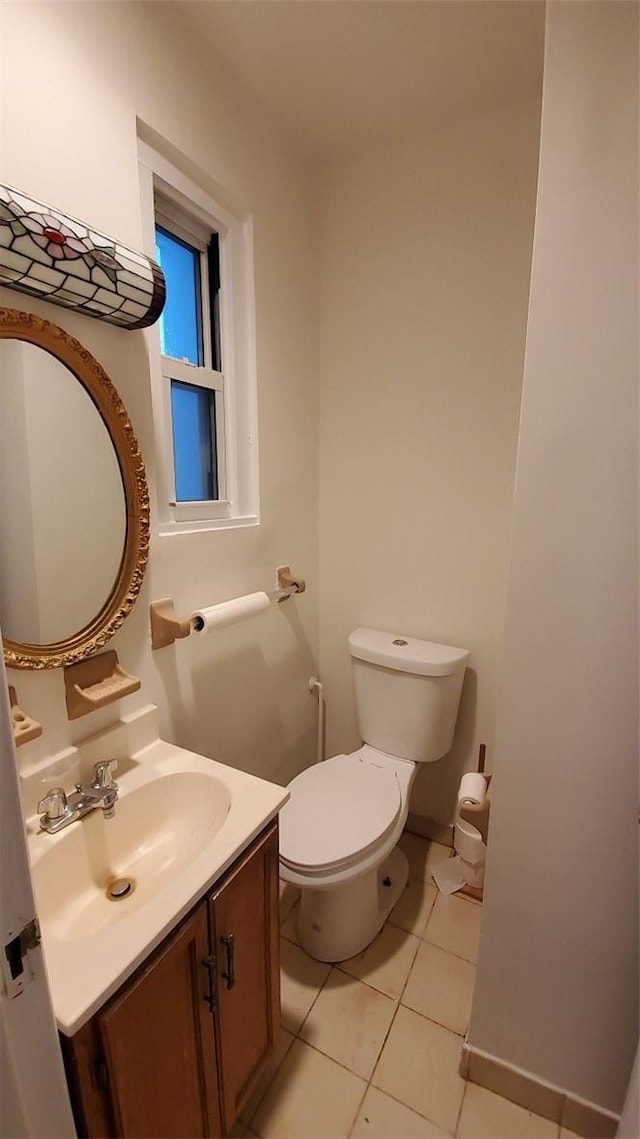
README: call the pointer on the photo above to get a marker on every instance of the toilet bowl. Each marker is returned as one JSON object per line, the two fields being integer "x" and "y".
{"x": 338, "y": 836}
{"x": 340, "y": 828}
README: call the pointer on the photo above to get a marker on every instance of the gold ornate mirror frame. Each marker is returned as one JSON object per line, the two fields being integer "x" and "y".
{"x": 91, "y": 639}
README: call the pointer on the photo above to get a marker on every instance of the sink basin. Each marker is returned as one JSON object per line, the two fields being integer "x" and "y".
{"x": 181, "y": 820}
{"x": 157, "y": 831}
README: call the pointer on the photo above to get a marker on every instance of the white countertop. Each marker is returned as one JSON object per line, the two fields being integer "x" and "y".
{"x": 86, "y": 966}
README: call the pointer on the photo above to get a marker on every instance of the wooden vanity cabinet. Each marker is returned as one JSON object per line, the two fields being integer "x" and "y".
{"x": 178, "y": 1050}
{"x": 245, "y": 936}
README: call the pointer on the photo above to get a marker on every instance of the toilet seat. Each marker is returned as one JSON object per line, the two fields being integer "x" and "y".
{"x": 338, "y": 811}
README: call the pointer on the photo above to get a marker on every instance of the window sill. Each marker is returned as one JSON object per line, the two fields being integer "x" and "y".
{"x": 202, "y": 525}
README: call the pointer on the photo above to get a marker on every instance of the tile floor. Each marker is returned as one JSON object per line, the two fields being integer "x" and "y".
{"x": 370, "y": 1048}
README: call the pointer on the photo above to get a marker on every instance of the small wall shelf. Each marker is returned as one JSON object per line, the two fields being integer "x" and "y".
{"x": 25, "y": 728}
{"x": 94, "y": 683}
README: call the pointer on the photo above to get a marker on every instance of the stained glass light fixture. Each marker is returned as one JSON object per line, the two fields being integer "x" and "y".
{"x": 49, "y": 255}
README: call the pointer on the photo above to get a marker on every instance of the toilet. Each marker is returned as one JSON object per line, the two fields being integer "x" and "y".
{"x": 340, "y": 828}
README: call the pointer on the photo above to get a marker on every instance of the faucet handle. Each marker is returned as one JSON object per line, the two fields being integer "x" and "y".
{"x": 103, "y": 774}
{"x": 54, "y": 804}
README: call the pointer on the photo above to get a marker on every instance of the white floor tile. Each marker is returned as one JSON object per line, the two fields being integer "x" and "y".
{"x": 422, "y": 854}
{"x": 419, "y": 1067}
{"x": 412, "y": 910}
{"x": 454, "y": 925}
{"x": 440, "y": 986}
{"x": 311, "y": 1097}
{"x": 300, "y": 982}
{"x": 381, "y": 1117}
{"x": 349, "y": 1022}
{"x": 385, "y": 964}
{"x": 488, "y": 1116}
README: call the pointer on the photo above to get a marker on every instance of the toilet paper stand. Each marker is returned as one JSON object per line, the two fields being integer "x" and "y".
{"x": 477, "y": 815}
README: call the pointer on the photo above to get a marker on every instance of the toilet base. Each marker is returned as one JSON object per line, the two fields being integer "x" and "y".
{"x": 337, "y": 923}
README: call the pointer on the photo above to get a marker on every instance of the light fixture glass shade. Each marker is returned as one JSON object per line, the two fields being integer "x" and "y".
{"x": 47, "y": 254}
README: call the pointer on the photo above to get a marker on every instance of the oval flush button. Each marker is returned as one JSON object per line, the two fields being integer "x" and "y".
{"x": 399, "y": 641}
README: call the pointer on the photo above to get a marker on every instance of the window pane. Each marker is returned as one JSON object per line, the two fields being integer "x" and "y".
{"x": 194, "y": 442}
{"x": 180, "y": 322}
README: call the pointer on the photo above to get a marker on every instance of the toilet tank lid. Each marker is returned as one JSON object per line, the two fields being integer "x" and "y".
{"x": 406, "y": 654}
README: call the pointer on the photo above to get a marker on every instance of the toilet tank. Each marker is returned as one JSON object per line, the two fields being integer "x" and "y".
{"x": 407, "y": 693}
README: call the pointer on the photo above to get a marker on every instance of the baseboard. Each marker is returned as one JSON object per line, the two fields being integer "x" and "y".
{"x": 533, "y": 1093}
{"x": 430, "y": 828}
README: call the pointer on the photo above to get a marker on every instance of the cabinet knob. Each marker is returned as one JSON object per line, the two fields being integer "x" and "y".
{"x": 230, "y": 975}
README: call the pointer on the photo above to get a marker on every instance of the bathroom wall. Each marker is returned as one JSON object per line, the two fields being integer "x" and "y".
{"x": 557, "y": 982}
{"x": 73, "y": 84}
{"x": 426, "y": 254}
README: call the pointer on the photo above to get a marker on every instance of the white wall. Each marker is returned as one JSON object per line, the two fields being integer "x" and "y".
{"x": 557, "y": 982}
{"x": 69, "y": 138}
{"x": 426, "y": 251}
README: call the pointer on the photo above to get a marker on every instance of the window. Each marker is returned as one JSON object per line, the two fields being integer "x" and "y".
{"x": 190, "y": 348}
{"x": 201, "y": 354}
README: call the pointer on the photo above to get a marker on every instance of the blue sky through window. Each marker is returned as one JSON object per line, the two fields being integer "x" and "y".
{"x": 180, "y": 334}
{"x": 193, "y": 411}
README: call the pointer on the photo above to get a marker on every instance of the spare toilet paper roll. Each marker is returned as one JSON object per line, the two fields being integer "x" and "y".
{"x": 472, "y": 790}
{"x": 215, "y": 616}
{"x": 468, "y": 843}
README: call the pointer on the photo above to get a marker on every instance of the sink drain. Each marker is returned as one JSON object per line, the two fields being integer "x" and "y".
{"x": 119, "y": 888}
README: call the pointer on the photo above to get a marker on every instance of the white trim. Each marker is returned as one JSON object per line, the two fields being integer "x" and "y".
{"x": 535, "y": 1093}
{"x": 174, "y": 219}
{"x": 173, "y": 369}
{"x": 35, "y": 1094}
{"x": 178, "y": 187}
{"x": 201, "y": 526}
{"x": 235, "y": 386}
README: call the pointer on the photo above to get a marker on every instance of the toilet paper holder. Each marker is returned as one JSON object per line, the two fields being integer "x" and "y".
{"x": 167, "y": 627}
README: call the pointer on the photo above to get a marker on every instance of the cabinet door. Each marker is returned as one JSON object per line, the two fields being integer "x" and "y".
{"x": 159, "y": 1044}
{"x": 245, "y": 939}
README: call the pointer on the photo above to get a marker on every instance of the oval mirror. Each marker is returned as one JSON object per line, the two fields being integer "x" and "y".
{"x": 74, "y": 506}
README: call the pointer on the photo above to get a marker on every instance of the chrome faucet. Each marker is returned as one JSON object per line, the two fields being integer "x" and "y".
{"x": 59, "y": 810}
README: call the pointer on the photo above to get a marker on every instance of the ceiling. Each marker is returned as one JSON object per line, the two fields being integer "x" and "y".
{"x": 342, "y": 76}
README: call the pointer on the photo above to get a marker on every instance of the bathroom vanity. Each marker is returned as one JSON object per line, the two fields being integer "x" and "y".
{"x": 178, "y": 1049}
{"x": 166, "y": 994}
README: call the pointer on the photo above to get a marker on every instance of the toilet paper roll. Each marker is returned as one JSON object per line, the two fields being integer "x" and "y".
{"x": 228, "y": 612}
{"x": 468, "y": 844}
{"x": 472, "y": 790}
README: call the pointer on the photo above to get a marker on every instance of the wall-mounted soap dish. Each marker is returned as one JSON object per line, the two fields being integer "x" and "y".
{"x": 25, "y": 728}
{"x": 93, "y": 683}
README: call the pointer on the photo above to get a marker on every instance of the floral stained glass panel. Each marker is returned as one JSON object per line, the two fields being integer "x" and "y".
{"x": 47, "y": 254}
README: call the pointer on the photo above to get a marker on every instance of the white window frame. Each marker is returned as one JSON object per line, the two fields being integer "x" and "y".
{"x": 174, "y": 220}
{"x": 170, "y": 197}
